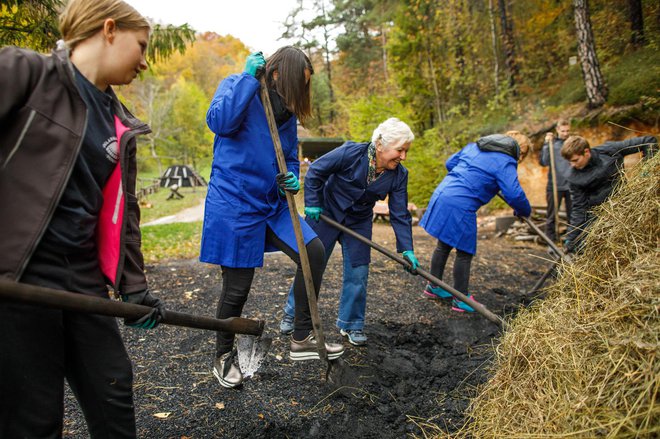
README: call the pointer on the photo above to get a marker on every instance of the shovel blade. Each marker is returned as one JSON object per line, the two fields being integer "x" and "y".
{"x": 252, "y": 352}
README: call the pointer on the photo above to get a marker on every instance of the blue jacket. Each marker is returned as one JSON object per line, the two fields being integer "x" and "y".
{"x": 337, "y": 182}
{"x": 242, "y": 198}
{"x": 475, "y": 177}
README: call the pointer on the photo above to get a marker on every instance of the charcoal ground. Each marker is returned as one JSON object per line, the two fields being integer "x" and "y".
{"x": 422, "y": 362}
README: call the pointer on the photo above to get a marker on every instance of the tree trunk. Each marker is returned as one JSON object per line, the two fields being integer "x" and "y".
{"x": 509, "y": 46}
{"x": 437, "y": 101}
{"x": 459, "y": 53}
{"x": 496, "y": 60}
{"x": 636, "y": 16}
{"x": 593, "y": 78}
{"x": 383, "y": 40}
{"x": 328, "y": 65}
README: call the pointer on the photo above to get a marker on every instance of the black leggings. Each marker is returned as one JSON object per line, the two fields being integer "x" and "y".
{"x": 236, "y": 283}
{"x": 461, "y": 265}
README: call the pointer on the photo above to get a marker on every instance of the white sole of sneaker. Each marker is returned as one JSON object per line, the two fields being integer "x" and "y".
{"x": 303, "y": 356}
{"x": 222, "y": 382}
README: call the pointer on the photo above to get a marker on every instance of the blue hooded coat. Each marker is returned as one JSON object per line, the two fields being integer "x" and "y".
{"x": 476, "y": 174}
{"x": 243, "y": 197}
{"x": 337, "y": 182}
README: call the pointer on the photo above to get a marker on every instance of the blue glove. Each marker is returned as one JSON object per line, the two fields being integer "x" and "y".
{"x": 409, "y": 256}
{"x": 313, "y": 212}
{"x": 150, "y": 320}
{"x": 288, "y": 182}
{"x": 253, "y": 62}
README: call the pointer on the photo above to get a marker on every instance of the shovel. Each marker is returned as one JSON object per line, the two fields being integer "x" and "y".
{"x": 560, "y": 254}
{"x": 51, "y": 298}
{"x": 335, "y": 370}
{"x": 481, "y": 309}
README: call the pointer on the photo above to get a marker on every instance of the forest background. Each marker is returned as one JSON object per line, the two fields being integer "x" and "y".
{"x": 454, "y": 70}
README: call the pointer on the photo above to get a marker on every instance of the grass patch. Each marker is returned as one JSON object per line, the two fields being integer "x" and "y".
{"x": 633, "y": 76}
{"x": 157, "y": 205}
{"x": 171, "y": 241}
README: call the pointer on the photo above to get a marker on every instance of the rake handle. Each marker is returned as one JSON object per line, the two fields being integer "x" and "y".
{"x": 481, "y": 309}
{"x": 51, "y": 298}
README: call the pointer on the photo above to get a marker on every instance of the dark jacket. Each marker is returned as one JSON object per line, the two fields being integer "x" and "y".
{"x": 593, "y": 184}
{"x": 43, "y": 121}
{"x": 561, "y": 165}
{"x": 337, "y": 182}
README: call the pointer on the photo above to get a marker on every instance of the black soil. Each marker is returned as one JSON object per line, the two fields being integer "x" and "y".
{"x": 422, "y": 362}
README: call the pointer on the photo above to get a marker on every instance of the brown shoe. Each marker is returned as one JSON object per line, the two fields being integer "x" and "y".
{"x": 308, "y": 349}
{"x": 227, "y": 373}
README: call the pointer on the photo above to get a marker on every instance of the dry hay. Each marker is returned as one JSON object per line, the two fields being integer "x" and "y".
{"x": 584, "y": 362}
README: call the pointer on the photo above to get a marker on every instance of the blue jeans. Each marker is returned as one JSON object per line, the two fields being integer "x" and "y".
{"x": 353, "y": 301}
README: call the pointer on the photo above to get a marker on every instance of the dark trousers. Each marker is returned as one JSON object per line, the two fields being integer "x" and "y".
{"x": 40, "y": 347}
{"x": 550, "y": 218}
{"x": 236, "y": 283}
{"x": 461, "y": 265}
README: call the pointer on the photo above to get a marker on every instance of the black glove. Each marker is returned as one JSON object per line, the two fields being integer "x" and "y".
{"x": 150, "y": 320}
{"x": 287, "y": 182}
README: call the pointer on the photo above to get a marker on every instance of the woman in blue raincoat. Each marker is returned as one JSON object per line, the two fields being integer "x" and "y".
{"x": 345, "y": 185}
{"x": 476, "y": 174}
{"x": 246, "y": 212}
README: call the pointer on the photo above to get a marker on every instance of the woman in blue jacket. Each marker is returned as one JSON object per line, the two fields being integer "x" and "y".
{"x": 345, "y": 185}
{"x": 476, "y": 174}
{"x": 246, "y": 212}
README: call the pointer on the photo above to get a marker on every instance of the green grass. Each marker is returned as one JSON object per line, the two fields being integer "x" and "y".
{"x": 171, "y": 241}
{"x": 157, "y": 205}
{"x": 633, "y": 76}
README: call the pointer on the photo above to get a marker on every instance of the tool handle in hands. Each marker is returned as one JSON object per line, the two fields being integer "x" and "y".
{"x": 481, "y": 309}
{"x": 51, "y": 298}
{"x": 295, "y": 219}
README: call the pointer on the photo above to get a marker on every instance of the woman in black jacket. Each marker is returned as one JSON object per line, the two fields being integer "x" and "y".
{"x": 71, "y": 221}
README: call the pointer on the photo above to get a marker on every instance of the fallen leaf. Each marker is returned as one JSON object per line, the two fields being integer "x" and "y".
{"x": 162, "y": 415}
{"x": 261, "y": 416}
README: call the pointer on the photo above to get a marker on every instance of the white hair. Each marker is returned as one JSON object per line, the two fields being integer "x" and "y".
{"x": 392, "y": 132}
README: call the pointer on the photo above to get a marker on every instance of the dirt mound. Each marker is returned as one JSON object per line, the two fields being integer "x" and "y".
{"x": 422, "y": 361}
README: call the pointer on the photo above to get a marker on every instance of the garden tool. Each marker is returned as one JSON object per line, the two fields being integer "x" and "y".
{"x": 560, "y": 254}
{"x": 481, "y": 309}
{"x": 51, "y": 298}
{"x": 539, "y": 284}
{"x": 252, "y": 351}
{"x": 336, "y": 372}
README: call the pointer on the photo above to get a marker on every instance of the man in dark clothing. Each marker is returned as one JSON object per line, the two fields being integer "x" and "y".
{"x": 557, "y": 170}
{"x": 594, "y": 174}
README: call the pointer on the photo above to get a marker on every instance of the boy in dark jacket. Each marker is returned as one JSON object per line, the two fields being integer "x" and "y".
{"x": 594, "y": 174}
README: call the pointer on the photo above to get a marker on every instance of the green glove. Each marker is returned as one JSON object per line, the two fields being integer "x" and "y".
{"x": 253, "y": 62}
{"x": 313, "y": 212}
{"x": 288, "y": 182}
{"x": 150, "y": 320}
{"x": 409, "y": 256}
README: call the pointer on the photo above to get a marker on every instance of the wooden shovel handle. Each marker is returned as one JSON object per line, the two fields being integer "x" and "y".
{"x": 51, "y": 298}
{"x": 295, "y": 219}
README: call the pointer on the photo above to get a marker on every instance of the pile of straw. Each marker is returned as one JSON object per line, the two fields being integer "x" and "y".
{"x": 584, "y": 362}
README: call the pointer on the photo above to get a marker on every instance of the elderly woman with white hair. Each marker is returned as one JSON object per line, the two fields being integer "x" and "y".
{"x": 345, "y": 184}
